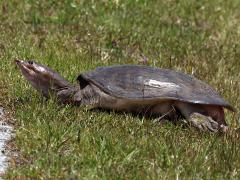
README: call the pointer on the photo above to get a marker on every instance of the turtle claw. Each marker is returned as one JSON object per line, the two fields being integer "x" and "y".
{"x": 224, "y": 128}
{"x": 205, "y": 123}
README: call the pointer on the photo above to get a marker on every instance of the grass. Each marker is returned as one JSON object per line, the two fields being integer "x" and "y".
{"x": 197, "y": 37}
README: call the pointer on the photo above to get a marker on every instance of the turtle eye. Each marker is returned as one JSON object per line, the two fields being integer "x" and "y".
{"x": 30, "y": 62}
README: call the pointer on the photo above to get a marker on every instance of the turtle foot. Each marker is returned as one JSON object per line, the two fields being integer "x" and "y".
{"x": 206, "y": 123}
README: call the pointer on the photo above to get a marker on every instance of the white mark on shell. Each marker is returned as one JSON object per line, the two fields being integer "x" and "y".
{"x": 159, "y": 84}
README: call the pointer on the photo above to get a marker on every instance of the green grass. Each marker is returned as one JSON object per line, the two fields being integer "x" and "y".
{"x": 196, "y": 37}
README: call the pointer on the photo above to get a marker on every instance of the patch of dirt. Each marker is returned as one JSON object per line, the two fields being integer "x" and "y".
{"x": 6, "y": 134}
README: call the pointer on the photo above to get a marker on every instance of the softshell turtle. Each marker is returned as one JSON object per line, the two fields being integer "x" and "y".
{"x": 135, "y": 88}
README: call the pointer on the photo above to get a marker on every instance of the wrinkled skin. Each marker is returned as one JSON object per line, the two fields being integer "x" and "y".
{"x": 42, "y": 78}
{"x": 47, "y": 81}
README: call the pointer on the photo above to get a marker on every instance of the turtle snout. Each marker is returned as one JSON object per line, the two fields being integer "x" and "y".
{"x": 18, "y": 62}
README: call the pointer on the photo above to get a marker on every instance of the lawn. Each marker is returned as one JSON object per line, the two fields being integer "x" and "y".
{"x": 201, "y": 38}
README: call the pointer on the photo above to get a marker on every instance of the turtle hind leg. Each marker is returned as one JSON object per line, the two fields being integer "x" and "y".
{"x": 217, "y": 113}
{"x": 203, "y": 123}
{"x": 203, "y": 117}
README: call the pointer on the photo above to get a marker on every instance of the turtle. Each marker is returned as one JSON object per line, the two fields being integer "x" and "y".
{"x": 136, "y": 89}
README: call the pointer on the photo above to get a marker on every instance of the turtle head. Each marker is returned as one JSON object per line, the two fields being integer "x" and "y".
{"x": 42, "y": 78}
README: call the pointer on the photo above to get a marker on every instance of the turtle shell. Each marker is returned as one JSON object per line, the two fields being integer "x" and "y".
{"x": 144, "y": 82}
